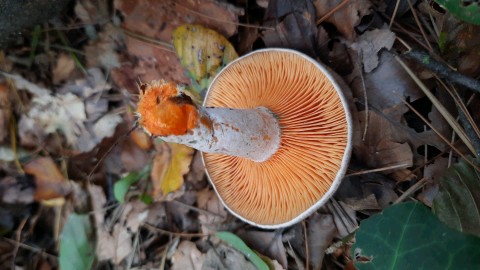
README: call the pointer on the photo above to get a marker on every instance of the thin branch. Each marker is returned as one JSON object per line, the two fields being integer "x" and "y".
{"x": 397, "y": 166}
{"x": 439, "y": 134}
{"x": 443, "y": 70}
{"x": 411, "y": 190}
{"x": 333, "y": 10}
{"x": 419, "y": 25}
{"x": 441, "y": 109}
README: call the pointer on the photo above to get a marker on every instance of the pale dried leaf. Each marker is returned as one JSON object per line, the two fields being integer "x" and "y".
{"x": 209, "y": 201}
{"x": 346, "y": 18}
{"x": 63, "y": 69}
{"x": 225, "y": 257}
{"x": 268, "y": 243}
{"x": 187, "y": 257}
{"x": 320, "y": 231}
{"x": 370, "y": 43}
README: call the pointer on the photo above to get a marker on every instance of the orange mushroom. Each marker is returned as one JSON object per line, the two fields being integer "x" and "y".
{"x": 295, "y": 108}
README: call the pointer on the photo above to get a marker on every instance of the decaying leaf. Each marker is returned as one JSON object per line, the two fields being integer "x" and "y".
{"x": 157, "y": 20}
{"x": 293, "y": 24}
{"x": 5, "y": 110}
{"x": 49, "y": 181}
{"x": 458, "y": 201}
{"x": 268, "y": 243}
{"x": 187, "y": 257}
{"x": 203, "y": 53}
{"x": 370, "y": 43}
{"x": 321, "y": 231}
{"x": 170, "y": 164}
{"x": 63, "y": 68}
{"x": 67, "y": 112}
{"x": 346, "y": 18}
{"x": 208, "y": 200}
{"x": 224, "y": 257}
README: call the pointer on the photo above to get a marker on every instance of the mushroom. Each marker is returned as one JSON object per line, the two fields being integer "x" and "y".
{"x": 275, "y": 131}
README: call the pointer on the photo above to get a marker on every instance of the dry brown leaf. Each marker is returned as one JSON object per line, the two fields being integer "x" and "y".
{"x": 81, "y": 122}
{"x": 156, "y": 20}
{"x": 320, "y": 231}
{"x": 132, "y": 157}
{"x": 360, "y": 204}
{"x": 63, "y": 69}
{"x": 5, "y": 110}
{"x": 102, "y": 52}
{"x": 346, "y": 18}
{"x": 225, "y": 257}
{"x": 294, "y": 26}
{"x": 49, "y": 181}
{"x": 370, "y": 43}
{"x": 141, "y": 139}
{"x": 208, "y": 200}
{"x": 385, "y": 85}
{"x": 386, "y": 142}
{"x": 116, "y": 246}
{"x": 268, "y": 243}
{"x": 17, "y": 190}
{"x": 187, "y": 257}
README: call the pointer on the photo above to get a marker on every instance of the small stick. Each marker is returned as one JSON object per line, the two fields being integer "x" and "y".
{"x": 443, "y": 70}
{"x": 404, "y": 165}
{"x": 333, "y": 10}
{"x": 411, "y": 190}
{"x": 110, "y": 150}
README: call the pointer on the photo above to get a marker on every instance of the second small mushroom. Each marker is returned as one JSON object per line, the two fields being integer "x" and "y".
{"x": 275, "y": 131}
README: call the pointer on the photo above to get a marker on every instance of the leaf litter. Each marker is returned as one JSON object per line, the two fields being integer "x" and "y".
{"x": 66, "y": 122}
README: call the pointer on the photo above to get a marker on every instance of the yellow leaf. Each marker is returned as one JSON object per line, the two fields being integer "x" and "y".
{"x": 169, "y": 165}
{"x": 203, "y": 53}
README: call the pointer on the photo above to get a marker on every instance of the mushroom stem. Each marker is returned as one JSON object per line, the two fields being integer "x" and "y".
{"x": 168, "y": 113}
{"x": 250, "y": 133}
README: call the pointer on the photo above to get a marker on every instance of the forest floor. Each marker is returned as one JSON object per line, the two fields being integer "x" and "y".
{"x": 83, "y": 187}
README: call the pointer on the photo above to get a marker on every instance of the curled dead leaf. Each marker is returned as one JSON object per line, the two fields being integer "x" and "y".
{"x": 49, "y": 181}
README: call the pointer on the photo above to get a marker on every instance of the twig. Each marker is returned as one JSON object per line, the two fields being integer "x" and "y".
{"x": 404, "y": 165}
{"x": 222, "y": 21}
{"x": 153, "y": 228}
{"x": 419, "y": 25}
{"x": 439, "y": 134}
{"x": 470, "y": 131}
{"x": 34, "y": 249}
{"x": 196, "y": 209}
{"x": 441, "y": 108}
{"x": 411, "y": 190}
{"x": 305, "y": 235}
{"x": 395, "y": 10}
{"x": 333, "y": 10}
{"x": 443, "y": 70}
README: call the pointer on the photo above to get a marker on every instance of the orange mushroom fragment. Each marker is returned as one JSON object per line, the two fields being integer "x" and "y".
{"x": 164, "y": 110}
{"x": 276, "y": 134}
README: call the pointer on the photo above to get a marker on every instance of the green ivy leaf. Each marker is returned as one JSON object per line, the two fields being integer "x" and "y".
{"x": 409, "y": 236}
{"x": 121, "y": 187}
{"x": 238, "y": 244}
{"x": 458, "y": 201}
{"x": 77, "y": 243}
{"x": 466, "y": 12}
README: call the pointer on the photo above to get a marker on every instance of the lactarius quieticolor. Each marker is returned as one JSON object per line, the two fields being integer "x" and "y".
{"x": 275, "y": 132}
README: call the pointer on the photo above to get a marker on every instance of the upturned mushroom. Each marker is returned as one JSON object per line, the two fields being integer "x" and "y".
{"x": 275, "y": 131}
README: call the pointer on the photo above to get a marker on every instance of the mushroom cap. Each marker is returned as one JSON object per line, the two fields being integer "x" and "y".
{"x": 316, "y": 131}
